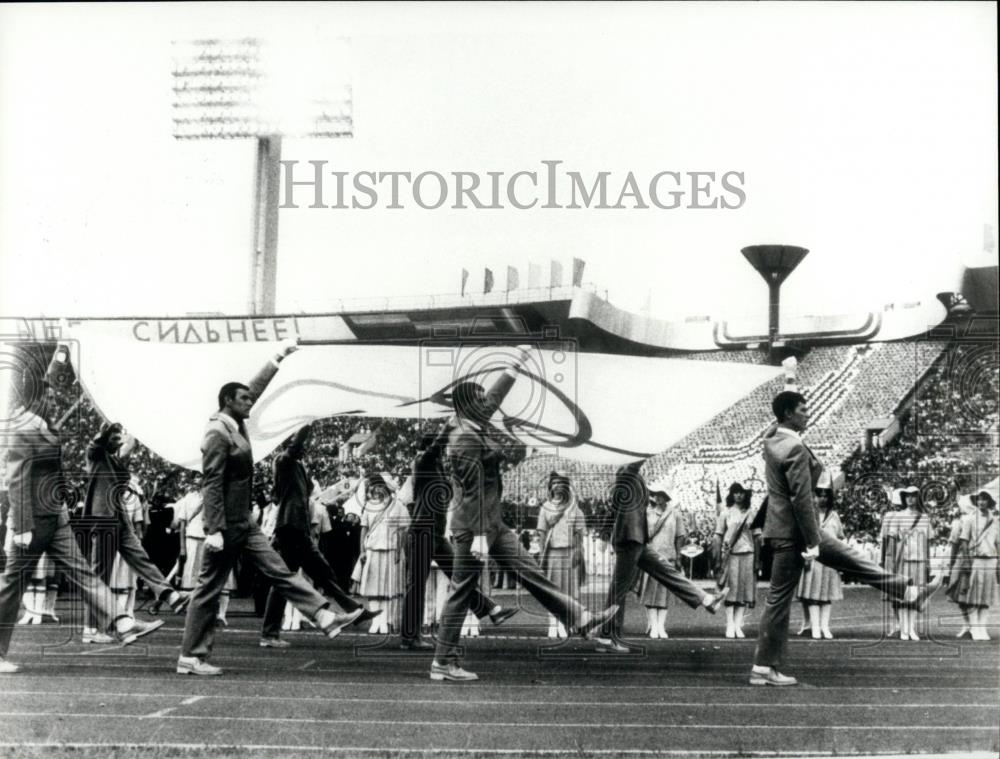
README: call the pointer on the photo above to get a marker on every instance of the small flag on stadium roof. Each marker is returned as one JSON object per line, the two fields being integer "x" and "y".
{"x": 512, "y": 278}
{"x": 555, "y": 270}
{"x": 534, "y": 276}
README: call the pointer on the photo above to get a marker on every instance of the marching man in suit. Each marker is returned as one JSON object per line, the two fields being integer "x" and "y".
{"x": 227, "y": 489}
{"x": 39, "y": 523}
{"x": 629, "y": 498}
{"x": 294, "y": 541}
{"x": 791, "y": 528}
{"x": 474, "y": 455}
{"x": 426, "y": 542}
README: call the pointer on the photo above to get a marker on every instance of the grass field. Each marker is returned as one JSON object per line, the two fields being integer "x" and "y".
{"x": 360, "y": 695}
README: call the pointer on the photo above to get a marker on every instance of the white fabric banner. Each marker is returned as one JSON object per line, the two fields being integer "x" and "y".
{"x": 598, "y": 408}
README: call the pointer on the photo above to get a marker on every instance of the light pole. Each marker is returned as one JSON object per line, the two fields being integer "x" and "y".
{"x": 252, "y": 88}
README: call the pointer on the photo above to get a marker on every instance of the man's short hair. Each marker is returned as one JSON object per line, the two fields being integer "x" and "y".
{"x": 228, "y": 391}
{"x": 785, "y": 402}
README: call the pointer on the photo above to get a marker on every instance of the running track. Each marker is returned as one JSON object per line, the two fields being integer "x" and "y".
{"x": 860, "y": 694}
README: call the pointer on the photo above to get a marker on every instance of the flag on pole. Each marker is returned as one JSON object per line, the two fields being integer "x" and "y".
{"x": 555, "y": 271}
{"x": 534, "y": 276}
{"x": 578, "y": 265}
{"x": 512, "y": 278}
{"x": 465, "y": 279}
{"x": 488, "y": 281}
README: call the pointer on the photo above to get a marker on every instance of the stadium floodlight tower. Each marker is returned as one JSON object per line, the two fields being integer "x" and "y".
{"x": 774, "y": 263}
{"x": 263, "y": 89}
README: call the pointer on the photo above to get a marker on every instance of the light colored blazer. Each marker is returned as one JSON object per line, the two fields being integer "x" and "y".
{"x": 227, "y": 467}
{"x": 791, "y": 471}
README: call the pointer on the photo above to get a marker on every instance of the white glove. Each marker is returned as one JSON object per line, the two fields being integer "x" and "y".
{"x": 480, "y": 547}
{"x": 214, "y": 541}
{"x": 811, "y": 552}
{"x": 22, "y": 539}
{"x": 128, "y": 445}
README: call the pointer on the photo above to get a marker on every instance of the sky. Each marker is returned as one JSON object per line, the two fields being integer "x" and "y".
{"x": 864, "y": 132}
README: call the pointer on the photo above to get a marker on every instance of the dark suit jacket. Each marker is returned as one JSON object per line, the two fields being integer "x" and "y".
{"x": 431, "y": 491}
{"x": 35, "y": 482}
{"x": 629, "y": 499}
{"x": 791, "y": 471}
{"x": 292, "y": 487}
{"x": 227, "y": 467}
{"x": 107, "y": 485}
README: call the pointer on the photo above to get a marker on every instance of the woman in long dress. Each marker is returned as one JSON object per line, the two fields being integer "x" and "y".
{"x": 384, "y": 522}
{"x": 819, "y": 585}
{"x": 561, "y": 527}
{"x": 123, "y": 578}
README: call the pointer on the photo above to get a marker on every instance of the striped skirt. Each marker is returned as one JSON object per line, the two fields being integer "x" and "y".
{"x": 741, "y": 580}
{"x": 820, "y": 584}
{"x": 381, "y": 574}
{"x": 983, "y": 588}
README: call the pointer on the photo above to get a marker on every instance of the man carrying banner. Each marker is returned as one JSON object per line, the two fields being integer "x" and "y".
{"x": 112, "y": 533}
{"x": 791, "y": 527}
{"x": 39, "y": 523}
{"x": 426, "y": 542}
{"x": 294, "y": 541}
{"x": 227, "y": 489}
{"x": 477, "y": 530}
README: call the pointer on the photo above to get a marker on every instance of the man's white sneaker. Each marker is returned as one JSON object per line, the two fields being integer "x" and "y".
{"x": 451, "y": 672}
{"x": 192, "y": 665}
{"x": 770, "y": 676}
{"x": 331, "y": 623}
{"x": 268, "y": 642}
{"x": 97, "y": 638}
{"x": 138, "y": 629}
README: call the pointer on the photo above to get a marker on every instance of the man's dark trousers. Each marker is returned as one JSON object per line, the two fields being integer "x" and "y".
{"x": 630, "y": 559}
{"x": 299, "y": 550}
{"x": 426, "y": 543}
{"x": 786, "y": 569}
{"x": 199, "y": 626}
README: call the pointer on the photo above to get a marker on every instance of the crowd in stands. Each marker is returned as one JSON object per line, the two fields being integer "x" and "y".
{"x": 947, "y": 444}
